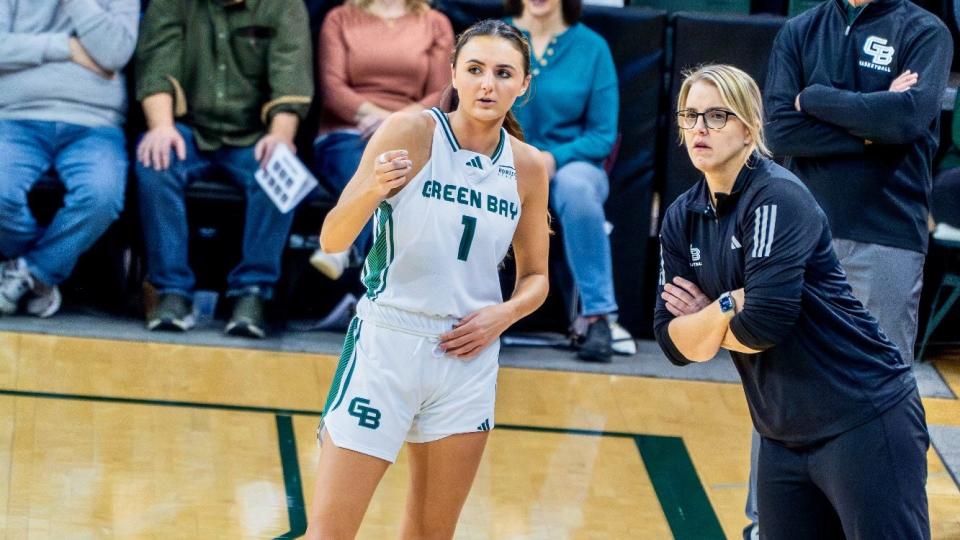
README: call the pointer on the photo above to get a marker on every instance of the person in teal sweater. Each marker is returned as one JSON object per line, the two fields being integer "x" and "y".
{"x": 571, "y": 116}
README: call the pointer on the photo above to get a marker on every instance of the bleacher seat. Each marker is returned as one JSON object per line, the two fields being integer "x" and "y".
{"x": 636, "y": 39}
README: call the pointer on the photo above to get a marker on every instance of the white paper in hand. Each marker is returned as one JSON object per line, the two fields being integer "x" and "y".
{"x": 285, "y": 179}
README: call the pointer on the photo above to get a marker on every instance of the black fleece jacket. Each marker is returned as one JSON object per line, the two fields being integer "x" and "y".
{"x": 875, "y": 192}
{"x": 825, "y": 366}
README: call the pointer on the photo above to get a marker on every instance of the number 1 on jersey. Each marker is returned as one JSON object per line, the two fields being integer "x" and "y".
{"x": 469, "y": 227}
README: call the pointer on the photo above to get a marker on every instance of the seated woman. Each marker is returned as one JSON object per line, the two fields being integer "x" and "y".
{"x": 747, "y": 264}
{"x": 571, "y": 116}
{"x": 375, "y": 57}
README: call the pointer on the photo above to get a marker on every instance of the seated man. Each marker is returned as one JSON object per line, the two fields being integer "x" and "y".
{"x": 235, "y": 74}
{"x": 62, "y": 105}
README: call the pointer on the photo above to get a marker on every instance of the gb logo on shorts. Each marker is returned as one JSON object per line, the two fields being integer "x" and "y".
{"x": 881, "y": 52}
{"x": 369, "y": 417}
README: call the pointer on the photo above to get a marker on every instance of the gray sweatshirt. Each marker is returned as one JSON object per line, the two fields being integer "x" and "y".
{"x": 38, "y": 81}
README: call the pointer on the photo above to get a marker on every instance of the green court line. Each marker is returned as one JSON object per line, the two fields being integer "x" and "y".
{"x": 674, "y": 478}
{"x": 678, "y": 488}
{"x": 672, "y": 473}
{"x": 160, "y": 402}
{"x": 296, "y": 512}
{"x": 565, "y": 431}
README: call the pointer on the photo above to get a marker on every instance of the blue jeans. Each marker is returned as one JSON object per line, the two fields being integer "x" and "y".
{"x": 577, "y": 193}
{"x": 91, "y": 162}
{"x": 163, "y": 215}
{"x": 337, "y": 155}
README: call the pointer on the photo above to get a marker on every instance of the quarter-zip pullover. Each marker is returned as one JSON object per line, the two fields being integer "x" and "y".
{"x": 875, "y": 192}
{"x": 825, "y": 366}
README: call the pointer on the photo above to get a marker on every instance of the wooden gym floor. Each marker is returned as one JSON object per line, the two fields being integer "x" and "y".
{"x": 115, "y": 439}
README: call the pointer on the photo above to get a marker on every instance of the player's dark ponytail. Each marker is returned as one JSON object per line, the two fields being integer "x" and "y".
{"x": 496, "y": 28}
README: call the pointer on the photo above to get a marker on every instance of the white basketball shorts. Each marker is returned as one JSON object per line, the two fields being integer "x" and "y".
{"x": 393, "y": 384}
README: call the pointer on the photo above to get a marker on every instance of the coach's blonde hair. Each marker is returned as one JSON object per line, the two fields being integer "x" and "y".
{"x": 413, "y": 6}
{"x": 739, "y": 93}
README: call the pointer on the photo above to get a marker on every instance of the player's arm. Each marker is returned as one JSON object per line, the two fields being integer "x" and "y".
{"x": 790, "y": 132}
{"x": 531, "y": 241}
{"x": 890, "y": 117}
{"x": 531, "y": 244}
{"x": 394, "y": 155}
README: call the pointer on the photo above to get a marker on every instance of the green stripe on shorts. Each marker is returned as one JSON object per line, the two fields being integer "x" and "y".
{"x": 349, "y": 345}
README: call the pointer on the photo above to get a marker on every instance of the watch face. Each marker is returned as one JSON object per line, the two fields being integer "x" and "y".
{"x": 726, "y": 303}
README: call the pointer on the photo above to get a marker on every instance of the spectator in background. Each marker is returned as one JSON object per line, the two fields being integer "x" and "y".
{"x": 62, "y": 104}
{"x": 571, "y": 116}
{"x": 853, "y": 96}
{"x": 375, "y": 57}
{"x": 853, "y": 102}
{"x": 222, "y": 83}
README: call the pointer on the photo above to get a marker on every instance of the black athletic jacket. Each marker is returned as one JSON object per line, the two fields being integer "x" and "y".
{"x": 876, "y": 193}
{"x": 825, "y": 365}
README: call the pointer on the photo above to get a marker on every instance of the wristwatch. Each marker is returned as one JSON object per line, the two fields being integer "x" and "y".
{"x": 726, "y": 303}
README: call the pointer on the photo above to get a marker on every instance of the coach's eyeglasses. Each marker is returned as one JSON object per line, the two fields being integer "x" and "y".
{"x": 713, "y": 118}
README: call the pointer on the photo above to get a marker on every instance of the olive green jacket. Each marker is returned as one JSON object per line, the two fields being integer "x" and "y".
{"x": 229, "y": 69}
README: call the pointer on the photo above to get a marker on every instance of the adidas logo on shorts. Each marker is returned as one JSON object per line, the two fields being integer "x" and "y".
{"x": 485, "y": 426}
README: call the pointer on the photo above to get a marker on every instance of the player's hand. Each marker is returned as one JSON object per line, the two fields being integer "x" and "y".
{"x": 683, "y": 297}
{"x": 267, "y": 144}
{"x": 476, "y": 332}
{"x": 391, "y": 171}
{"x": 154, "y": 149}
{"x": 905, "y": 81}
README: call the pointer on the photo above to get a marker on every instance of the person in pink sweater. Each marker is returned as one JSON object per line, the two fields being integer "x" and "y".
{"x": 375, "y": 57}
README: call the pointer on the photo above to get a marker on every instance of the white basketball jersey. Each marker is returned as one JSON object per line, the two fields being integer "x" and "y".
{"x": 438, "y": 242}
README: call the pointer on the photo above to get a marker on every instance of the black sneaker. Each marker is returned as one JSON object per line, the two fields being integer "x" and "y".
{"x": 597, "y": 346}
{"x": 247, "y": 319}
{"x": 173, "y": 312}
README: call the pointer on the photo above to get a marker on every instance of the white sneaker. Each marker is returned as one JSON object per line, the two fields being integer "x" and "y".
{"x": 623, "y": 342}
{"x": 331, "y": 265}
{"x": 946, "y": 232}
{"x": 45, "y": 305}
{"x": 15, "y": 281}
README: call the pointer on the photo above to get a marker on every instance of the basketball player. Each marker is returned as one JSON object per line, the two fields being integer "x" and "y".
{"x": 748, "y": 265}
{"x": 449, "y": 194}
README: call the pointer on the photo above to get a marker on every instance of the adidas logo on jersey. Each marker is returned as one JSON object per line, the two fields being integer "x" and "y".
{"x": 734, "y": 243}
{"x": 475, "y": 162}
